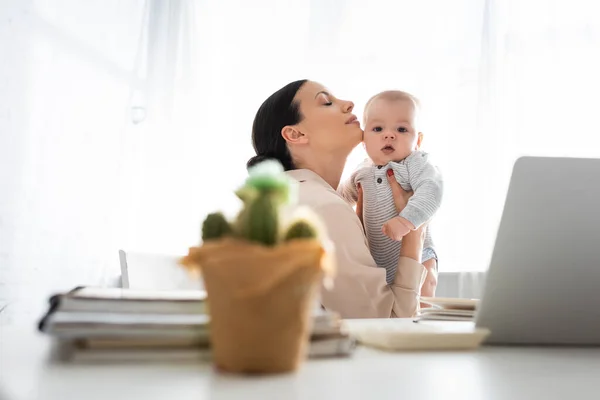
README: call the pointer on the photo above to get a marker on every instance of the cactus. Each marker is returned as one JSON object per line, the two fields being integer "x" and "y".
{"x": 267, "y": 177}
{"x": 300, "y": 230}
{"x": 265, "y": 190}
{"x": 259, "y": 220}
{"x": 215, "y": 226}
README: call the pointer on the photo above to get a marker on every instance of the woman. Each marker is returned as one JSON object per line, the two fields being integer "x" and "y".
{"x": 311, "y": 133}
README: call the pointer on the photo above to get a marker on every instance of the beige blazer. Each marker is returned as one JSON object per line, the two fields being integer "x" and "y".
{"x": 359, "y": 288}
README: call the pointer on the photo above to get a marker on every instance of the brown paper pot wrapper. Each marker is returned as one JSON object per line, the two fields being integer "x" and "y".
{"x": 260, "y": 301}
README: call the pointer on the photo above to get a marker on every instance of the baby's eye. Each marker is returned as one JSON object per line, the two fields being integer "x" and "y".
{"x": 402, "y": 129}
{"x": 377, "y": 129}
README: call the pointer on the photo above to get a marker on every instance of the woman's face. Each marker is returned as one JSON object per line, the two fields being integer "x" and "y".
{"x": 328, "y": 122}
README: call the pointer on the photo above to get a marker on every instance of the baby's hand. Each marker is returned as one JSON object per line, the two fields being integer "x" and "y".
{"x": 396, "y": 228}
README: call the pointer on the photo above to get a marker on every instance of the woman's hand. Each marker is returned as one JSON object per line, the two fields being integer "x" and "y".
{"x": 397, "y": 227}
{"x": 412, "y": 243}
{"x": 401, "y": 196}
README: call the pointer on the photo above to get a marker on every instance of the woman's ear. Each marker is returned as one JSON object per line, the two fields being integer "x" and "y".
{"x": 292, "y": 135}
{"x": 419, "y": 141}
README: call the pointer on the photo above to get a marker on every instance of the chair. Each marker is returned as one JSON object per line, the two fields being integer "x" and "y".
{"x": 147, "y": 271}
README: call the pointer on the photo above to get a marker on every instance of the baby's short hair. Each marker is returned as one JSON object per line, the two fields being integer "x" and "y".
{"x": 393, "y": 95}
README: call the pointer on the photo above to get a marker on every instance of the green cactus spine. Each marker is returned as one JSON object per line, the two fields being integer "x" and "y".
{"x": 300, "y": 230}
{"x": 215, "y": 226}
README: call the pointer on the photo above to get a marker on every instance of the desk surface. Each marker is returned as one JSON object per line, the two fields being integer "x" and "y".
{"x": 27, "y": 371}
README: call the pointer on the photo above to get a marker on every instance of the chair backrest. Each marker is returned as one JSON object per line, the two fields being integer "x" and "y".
{"x": 147, "y": 271}
{"x": 467, "y": 285}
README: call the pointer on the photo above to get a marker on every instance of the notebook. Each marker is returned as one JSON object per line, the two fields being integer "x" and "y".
{"x": 105, "y": 323}
{"x": 75, "y": 325}
{"x": 451, "y": 303}
{"x": 93, "y": 351}
{"x": 405, "y": 335}
{"x": 117, "y": 300}
{"x": 448, "y": 309}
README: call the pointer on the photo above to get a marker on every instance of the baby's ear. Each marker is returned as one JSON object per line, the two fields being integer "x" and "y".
{"x": 419, "y": 141}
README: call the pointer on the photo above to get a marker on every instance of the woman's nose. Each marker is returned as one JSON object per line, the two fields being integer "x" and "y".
{"x": 348, "y": 106}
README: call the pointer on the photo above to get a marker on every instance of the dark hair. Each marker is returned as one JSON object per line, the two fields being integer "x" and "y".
{"x": 278, "y": 111}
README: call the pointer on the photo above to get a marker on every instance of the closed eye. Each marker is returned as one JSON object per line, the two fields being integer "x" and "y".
{"x": 325, "y": 97}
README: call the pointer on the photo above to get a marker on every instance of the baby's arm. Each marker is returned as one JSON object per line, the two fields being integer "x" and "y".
{"x": 348, "y": 190}
{"x": 427, "y": 184}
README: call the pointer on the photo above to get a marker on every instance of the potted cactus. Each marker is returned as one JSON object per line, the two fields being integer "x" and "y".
{"x": 261, "y": 275}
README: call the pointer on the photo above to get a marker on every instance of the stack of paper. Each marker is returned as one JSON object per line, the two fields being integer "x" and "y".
{"x": 448, "y": 309}
{"x": 114, "y": 323}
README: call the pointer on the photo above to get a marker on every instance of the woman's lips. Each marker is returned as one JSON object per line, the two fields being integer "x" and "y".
{"x": 352, "y": 120}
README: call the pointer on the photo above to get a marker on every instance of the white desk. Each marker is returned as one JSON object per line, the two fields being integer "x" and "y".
{"x": 28, "y": 372}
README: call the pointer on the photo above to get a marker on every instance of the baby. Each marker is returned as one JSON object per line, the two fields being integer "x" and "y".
{"x": 392, "y": 141}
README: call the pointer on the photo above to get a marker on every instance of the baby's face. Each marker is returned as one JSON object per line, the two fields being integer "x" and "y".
{"x": 390, "y": 133}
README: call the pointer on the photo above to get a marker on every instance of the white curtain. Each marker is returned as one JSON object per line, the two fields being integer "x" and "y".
{"x": 122, "y": 123}
{"x": 65, "y": 79}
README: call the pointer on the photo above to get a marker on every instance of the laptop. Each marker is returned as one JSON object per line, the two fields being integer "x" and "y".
{"x": 543, "y": 282}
